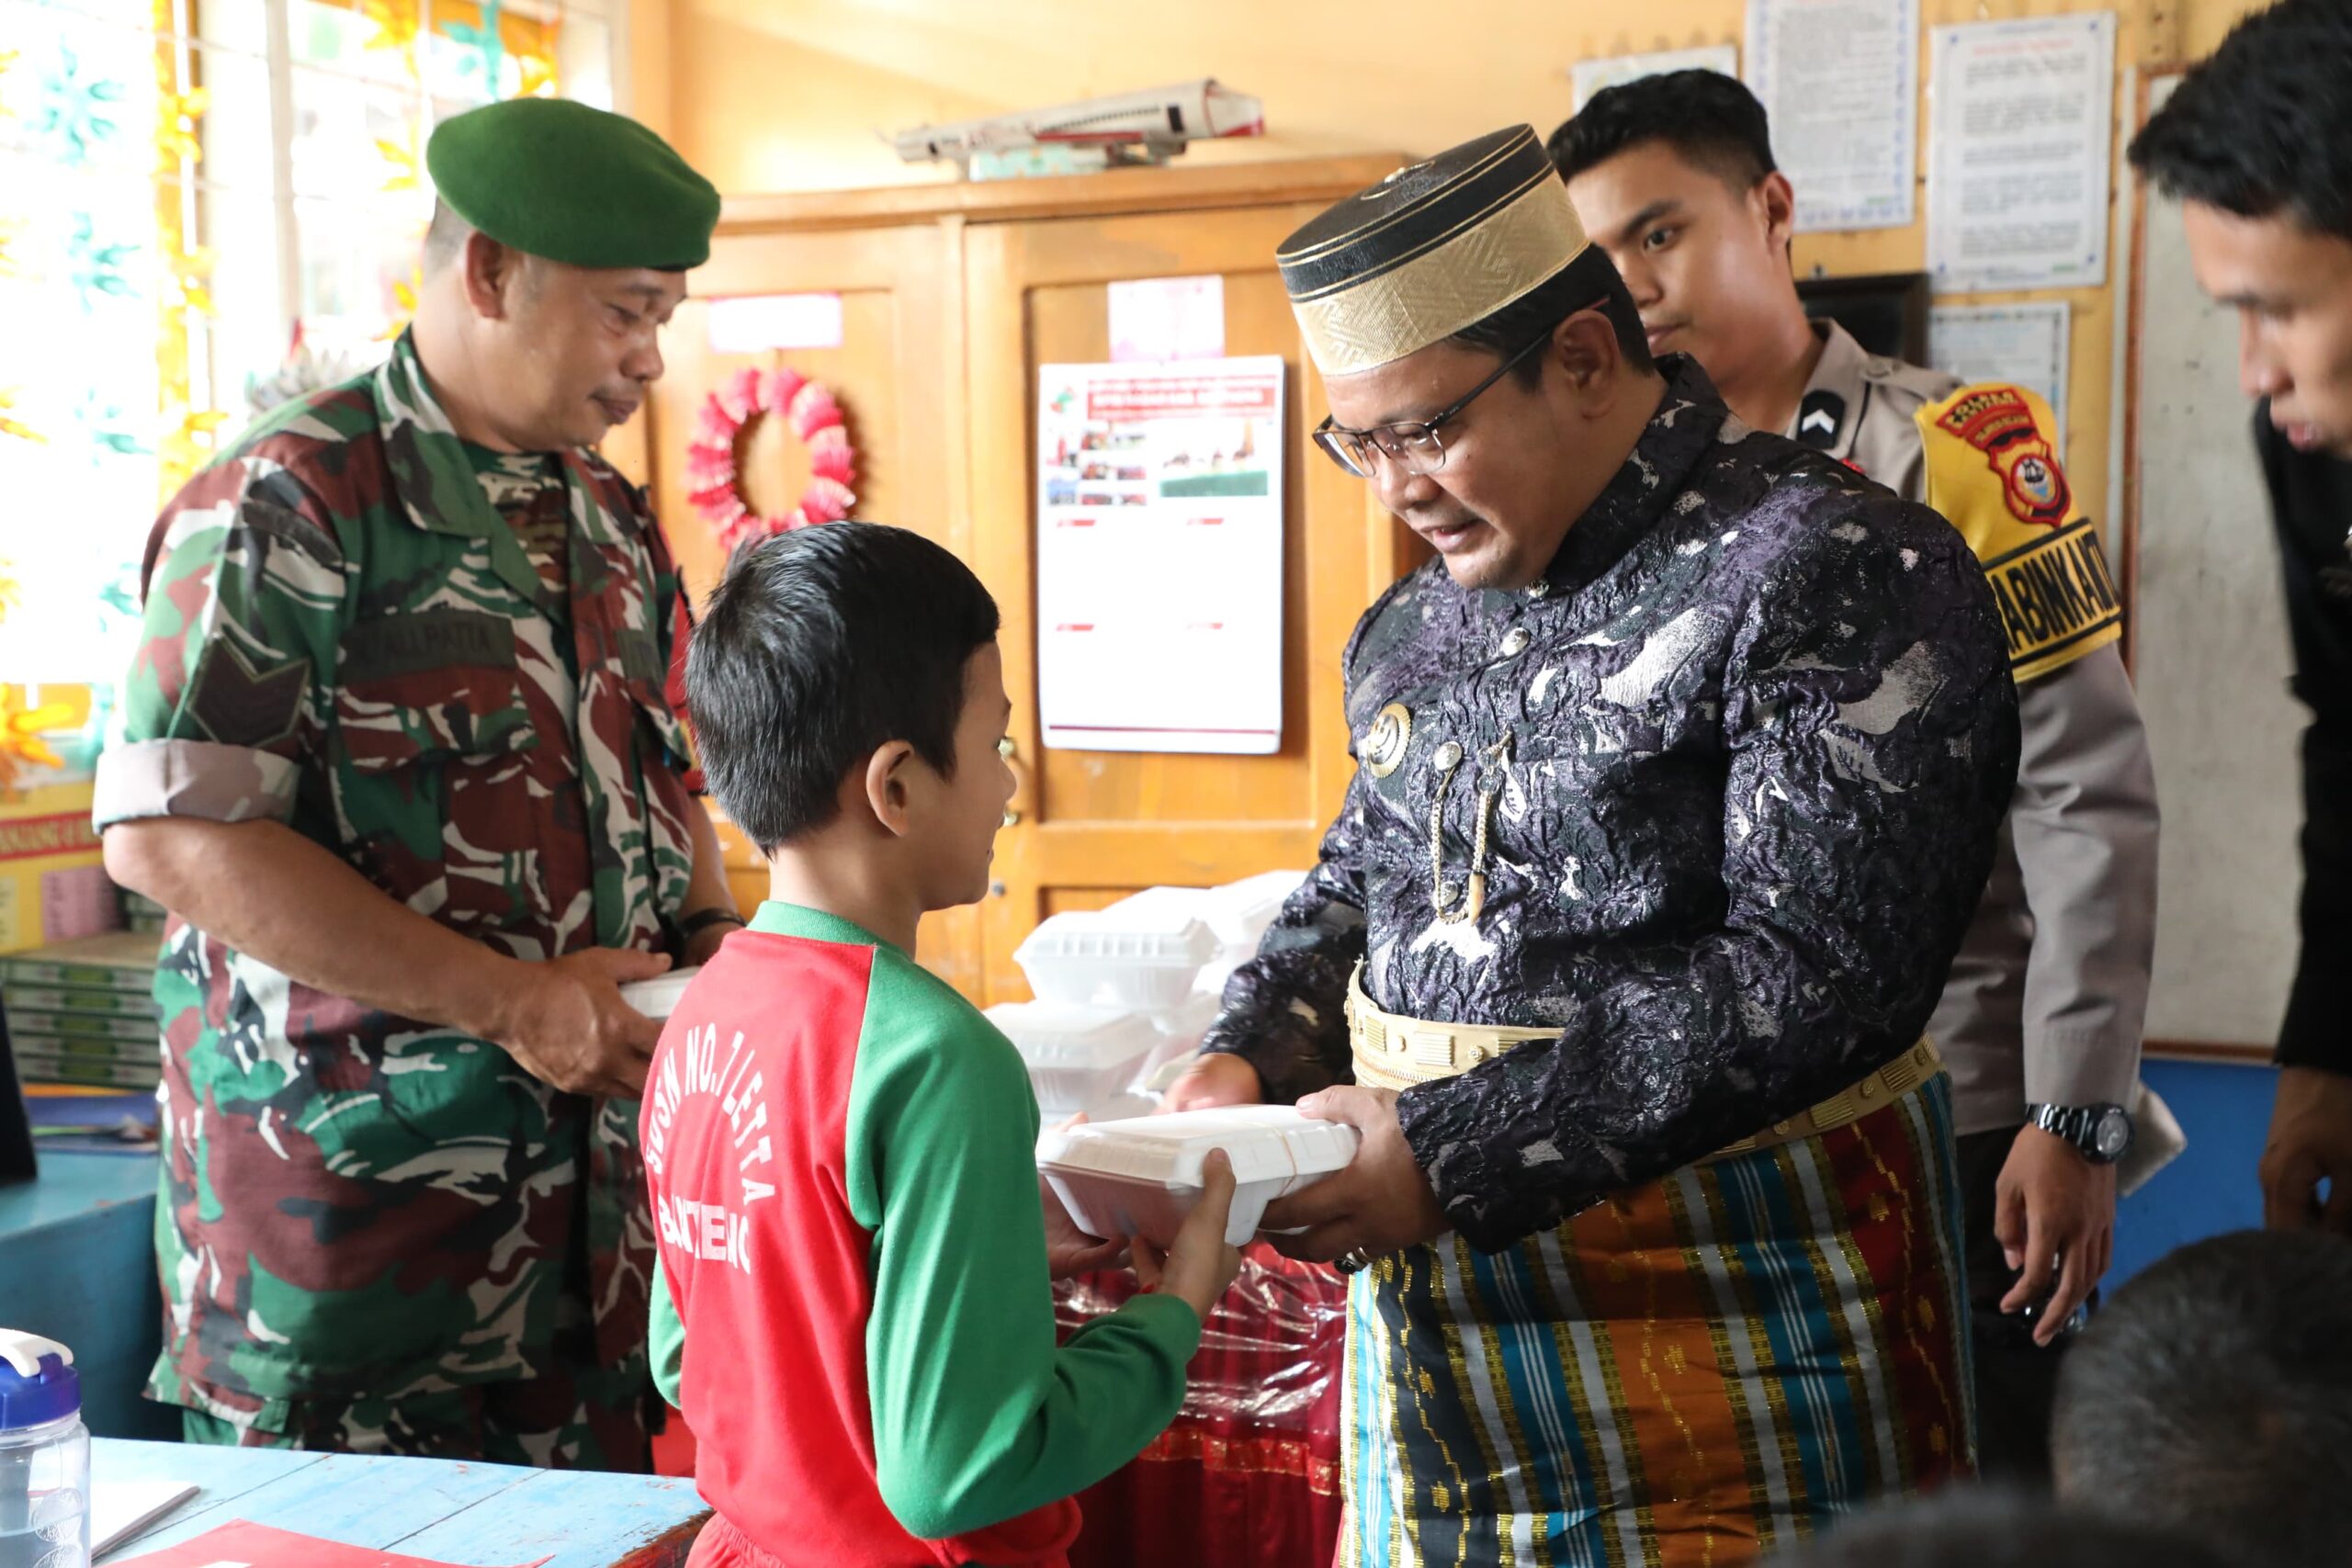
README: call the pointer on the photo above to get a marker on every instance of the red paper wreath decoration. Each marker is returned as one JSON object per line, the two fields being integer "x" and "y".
{"x": 715, "y": 485}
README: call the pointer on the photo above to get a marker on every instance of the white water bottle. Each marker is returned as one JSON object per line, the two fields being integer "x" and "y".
{"x": 44, "y": 1456}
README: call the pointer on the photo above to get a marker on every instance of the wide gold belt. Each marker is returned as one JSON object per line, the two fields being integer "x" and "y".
{"x": 1396, "y": 1052}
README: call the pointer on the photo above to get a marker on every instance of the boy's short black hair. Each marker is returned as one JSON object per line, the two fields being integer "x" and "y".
{"x": 1711, "y": 119}
{"x": 819, "y": 647}
{"x": 1589, "y": 281}
{"x": 2261, "y": 126}
{"x": 2213, "y": 1393}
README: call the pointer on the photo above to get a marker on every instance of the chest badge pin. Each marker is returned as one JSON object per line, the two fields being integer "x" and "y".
{"x": 1383, "y": 750}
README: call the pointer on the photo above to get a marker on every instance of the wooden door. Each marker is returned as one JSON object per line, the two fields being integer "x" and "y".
{"x": 1093, "y": 825}
{"x": 896, "y": 375}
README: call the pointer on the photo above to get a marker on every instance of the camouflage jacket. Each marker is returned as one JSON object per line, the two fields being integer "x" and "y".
{"x": 1743, "y": 751}
{"x": 342, "y": 633}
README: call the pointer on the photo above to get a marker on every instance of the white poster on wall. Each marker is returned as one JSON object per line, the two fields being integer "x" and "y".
{"x": 1841, "y": 80}
{"x": 1159, "y": 556}
{"x": 2021, "y": 344}
{"x": 2018, "y": 153}
{"x": 1589, "y": 76}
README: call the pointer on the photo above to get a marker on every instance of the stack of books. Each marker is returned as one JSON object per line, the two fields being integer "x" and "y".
{"x": 84, "y": 1011}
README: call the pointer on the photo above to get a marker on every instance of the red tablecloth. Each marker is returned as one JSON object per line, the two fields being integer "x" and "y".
{"x": 1249, "y": 1475}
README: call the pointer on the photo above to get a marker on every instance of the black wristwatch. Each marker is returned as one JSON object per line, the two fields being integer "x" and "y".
{"x": 701, "y": 920}
{"x": 2100, "y": 1133}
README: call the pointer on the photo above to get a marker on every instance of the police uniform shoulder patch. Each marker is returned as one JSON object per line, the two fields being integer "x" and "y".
{"x": 1997, "y": 422}
{"x": 1992, "y": 469}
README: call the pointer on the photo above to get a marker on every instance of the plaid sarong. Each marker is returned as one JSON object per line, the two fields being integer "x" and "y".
{"x": 1688, "y": 1373}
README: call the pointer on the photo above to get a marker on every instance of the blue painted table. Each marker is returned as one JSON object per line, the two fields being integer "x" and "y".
{"x": 448, "y": 1511}
{"x": 77, "y": 1264}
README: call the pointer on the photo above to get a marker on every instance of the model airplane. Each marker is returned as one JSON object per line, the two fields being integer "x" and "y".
{"x": 1158, "y": 122}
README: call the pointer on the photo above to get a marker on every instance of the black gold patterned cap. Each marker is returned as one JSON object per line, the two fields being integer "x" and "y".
{"x": 1429, "y": 250}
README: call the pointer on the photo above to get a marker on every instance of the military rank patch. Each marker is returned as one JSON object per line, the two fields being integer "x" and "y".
{"x": 1998, "y": 422}
{"x": 1991, "y": 471}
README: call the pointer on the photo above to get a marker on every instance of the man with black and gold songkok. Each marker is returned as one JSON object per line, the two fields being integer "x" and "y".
{"x": 1680, "y": 772}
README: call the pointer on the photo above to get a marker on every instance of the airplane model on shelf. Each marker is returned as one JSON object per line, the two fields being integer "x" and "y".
{"x": 1147, "y": 127}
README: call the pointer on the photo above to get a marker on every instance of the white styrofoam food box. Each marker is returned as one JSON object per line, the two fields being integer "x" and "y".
{"x": 1239, "y": 912}
{"x": 1146, "y": 962}
{"x": 658, "y": 997}
{"x": 1077, "y": 1057}
{"x": 1141, "y": 1177}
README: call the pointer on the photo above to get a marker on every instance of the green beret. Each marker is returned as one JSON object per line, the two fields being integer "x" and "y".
{"x": 573, "y": 183}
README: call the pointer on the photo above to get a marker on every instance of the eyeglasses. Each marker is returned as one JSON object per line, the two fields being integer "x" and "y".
{"x": 1416, "y": 447}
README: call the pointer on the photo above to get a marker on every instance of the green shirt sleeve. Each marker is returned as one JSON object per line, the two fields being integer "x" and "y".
{"x": 665, "y": 1337}
{"x": 978, "y": 1416}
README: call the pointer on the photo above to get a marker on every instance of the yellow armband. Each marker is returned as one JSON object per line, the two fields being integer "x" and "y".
{"x": 1993, "y": 470}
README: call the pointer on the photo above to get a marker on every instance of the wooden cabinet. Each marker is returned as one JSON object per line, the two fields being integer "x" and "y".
{"x": 952, "y": 297}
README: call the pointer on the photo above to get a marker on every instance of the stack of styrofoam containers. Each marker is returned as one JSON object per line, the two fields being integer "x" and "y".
{"x": 1239, "y": 913}
{"x": 1105, "y": 980}
{"x": 1159, "y": 958}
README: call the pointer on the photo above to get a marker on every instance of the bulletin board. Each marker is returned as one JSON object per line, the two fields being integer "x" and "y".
{"x": 2210, "y": 657}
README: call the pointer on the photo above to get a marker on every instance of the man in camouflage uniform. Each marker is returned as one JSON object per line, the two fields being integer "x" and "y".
{"x": 2042, "y": 1018}
{"x": 401, "y": 753}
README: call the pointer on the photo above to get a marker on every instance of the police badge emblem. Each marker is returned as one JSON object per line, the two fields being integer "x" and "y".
{"x": 1997, "y": 421}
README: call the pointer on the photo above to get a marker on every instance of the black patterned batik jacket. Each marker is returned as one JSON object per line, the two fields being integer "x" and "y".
{"x": 1748, "y": 744}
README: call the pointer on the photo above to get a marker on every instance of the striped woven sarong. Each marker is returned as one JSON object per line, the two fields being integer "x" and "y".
{"x": 1688, "y": 1373}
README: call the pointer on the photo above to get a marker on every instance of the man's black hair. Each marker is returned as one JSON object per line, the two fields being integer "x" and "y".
{"x": 1589, "y": 281}
{"x": 2215, "y": 1392}
{"x": 1711, "y": 119}
{"x": 1971, "y": 1527}
{"x": 819, "y": 647}
{"x": 2264, "y": 125}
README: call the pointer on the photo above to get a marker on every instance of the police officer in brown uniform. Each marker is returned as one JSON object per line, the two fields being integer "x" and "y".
{"x": 2041, "y": 1021}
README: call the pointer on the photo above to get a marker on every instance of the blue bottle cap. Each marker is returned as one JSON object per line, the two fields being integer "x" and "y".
{"x": 52, "y": 1393}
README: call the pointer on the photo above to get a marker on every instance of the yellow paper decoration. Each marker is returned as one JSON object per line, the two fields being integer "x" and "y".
{"x": 397, "y": 23}
{"x": 186, "y": 446}
{"x": 21, "y": 728}
{"x": 16, "y": 428}
{"x": 402, "y": 163}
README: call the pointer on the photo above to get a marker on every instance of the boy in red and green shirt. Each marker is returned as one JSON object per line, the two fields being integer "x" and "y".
{"x": 854, "y": 1303}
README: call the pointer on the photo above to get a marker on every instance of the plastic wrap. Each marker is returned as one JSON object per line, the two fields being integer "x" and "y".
{"x": 1248, "y": 1474}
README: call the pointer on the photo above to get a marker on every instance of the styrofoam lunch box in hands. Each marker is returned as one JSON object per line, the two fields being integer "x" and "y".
{"x": 1141, "y": 1177}
{"x": 658, "y": 997}
{"x": 1096, "y": 958}
{"x": 1077, "y": 1057}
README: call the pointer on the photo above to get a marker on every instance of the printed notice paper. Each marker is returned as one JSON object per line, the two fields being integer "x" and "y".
{"x": 1159, "y": 556}
{"x": 2022, "y": 343}
{"x": 2018, "y": 153}
{"x": 1841, "y": 80}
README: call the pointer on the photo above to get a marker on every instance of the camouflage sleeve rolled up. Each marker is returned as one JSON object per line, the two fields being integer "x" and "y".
{"x": 228, "y": 694}
{"x": 1870, "y": 730}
